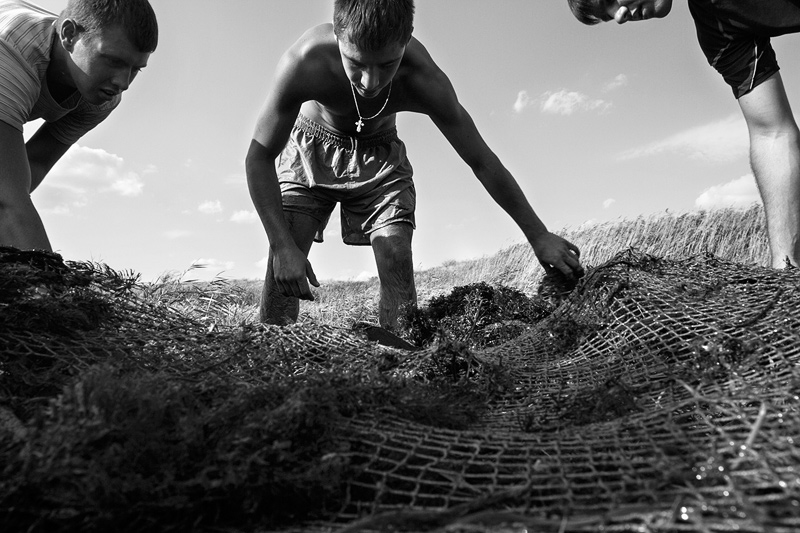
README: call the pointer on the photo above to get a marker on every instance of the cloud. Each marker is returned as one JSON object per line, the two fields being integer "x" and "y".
{"x": 245, "y": 217}
{"x": 568, "y": 102}
{"x": 717, "y": 142}
{"x": 621, "y": 80}
{"x": 608, "y": 202}
{"x": 128, "y": 186}
{"x": 364, "y": 275}
{"x": 211, "y": 207}
{"x": 741, "y": 192}
{"x": 523, "y": 101}
{"x": 561, "y": 102}
{"x": 83, "y": 173}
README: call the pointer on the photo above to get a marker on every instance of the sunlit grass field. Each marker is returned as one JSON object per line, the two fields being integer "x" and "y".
{"x": 733, "y": 234}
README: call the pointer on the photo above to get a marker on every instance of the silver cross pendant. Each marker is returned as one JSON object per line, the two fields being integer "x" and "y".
{"x": 359, "y": 125}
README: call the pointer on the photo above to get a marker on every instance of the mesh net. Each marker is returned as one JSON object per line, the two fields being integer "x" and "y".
{"x": 659, "y": 396}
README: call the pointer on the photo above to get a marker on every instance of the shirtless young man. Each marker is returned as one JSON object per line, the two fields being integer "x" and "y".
{"x": 735, "y": 37}
{"x": 70, "y": 71}
{"x": 328, "y": 125}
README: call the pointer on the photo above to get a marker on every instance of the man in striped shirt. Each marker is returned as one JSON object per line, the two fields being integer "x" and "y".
{"x": 735, "y": 38}
{"x": 69, "y": 70}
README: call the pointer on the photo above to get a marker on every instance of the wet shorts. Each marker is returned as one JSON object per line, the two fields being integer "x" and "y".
{"x": 735, "y": 37}
{"x": 369, "y": 176}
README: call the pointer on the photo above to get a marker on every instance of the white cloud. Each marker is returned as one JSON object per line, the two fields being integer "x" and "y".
{"x": 364, "y": 275}
{"x": 741, "y": 192}
{"x": 130, "y": 185}
{"x": 717, "y": 142}
{"x": 210, "y": 207}
{"x": 621, "y": 80}
{"x": 81, "y": 174}
{"x": 568, "y": 102}
{"x": 523, "y": 101}
{"x": 608, "y": 202}
{"x": 262, "y": 264}
{"x": 244, "y": 217}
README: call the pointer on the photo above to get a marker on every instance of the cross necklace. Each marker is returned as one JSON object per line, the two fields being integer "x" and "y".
{"x": 360, "y": 121}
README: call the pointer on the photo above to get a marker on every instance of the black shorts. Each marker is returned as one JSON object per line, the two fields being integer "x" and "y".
{"x": 735, "y": 37}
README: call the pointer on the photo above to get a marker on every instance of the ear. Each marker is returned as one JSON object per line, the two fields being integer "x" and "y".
{"x": 68, "y": 34}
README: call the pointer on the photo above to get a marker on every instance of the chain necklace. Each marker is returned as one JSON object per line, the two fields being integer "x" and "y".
{"x": 360, "y": 121}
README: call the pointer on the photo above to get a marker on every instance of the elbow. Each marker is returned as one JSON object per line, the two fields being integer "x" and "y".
{"x": 256, "y": 159}
{"x": 255, "y": 154}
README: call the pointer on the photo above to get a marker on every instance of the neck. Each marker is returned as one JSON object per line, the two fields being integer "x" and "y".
{"x": 59, "y": 81}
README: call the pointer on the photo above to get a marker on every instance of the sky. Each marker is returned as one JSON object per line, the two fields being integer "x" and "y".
{"x": 597, "y": 124}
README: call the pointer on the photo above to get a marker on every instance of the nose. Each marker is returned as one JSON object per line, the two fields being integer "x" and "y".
{"x": 123, "y": 78}
{"x": 370, "y": 80}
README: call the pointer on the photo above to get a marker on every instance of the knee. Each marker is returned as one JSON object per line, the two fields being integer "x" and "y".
{"x": 393, "y": 253}
{"x": 771, "y": 130}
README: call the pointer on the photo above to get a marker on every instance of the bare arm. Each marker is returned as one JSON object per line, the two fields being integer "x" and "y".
{"x": 274, "y": 124}
{"x": 44, "y": 151}
{"x": 458, "y": 127}
{"x": 20, "y": 224}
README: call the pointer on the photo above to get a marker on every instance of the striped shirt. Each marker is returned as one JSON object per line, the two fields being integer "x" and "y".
{"x": 27, "y": 34}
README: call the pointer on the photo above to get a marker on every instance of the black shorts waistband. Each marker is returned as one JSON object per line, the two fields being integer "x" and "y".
{"x": 308, "y": 126}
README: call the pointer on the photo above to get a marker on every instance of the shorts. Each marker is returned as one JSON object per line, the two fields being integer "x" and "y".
{"x": 735, "y": 37}
{"x": 369, "y": 176}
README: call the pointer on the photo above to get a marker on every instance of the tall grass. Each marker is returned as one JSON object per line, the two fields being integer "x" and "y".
{"x": 733, "y": 234}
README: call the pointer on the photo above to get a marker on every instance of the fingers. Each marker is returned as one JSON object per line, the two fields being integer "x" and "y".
{"x": 570, "y": 267}
{"x": 622, "y": 15}
{"x": 566, "y": 262}
{"x": 292, "y": 274}
{"x": 625, "y": 14}
{"x": 312, "y": 278}
{"x": 574, "y": 249}
{"x": 296, "y": 289}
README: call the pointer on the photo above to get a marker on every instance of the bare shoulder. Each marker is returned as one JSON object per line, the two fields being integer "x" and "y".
{"x": 313, "y": 56}
{"x": 428, "y": 89}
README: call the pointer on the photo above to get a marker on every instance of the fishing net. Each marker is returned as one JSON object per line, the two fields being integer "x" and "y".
{"x": 658, "y": 396}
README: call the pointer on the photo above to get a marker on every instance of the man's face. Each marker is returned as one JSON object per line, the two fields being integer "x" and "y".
{"x": 370, "y": 71}
{"x": 104, "y": 63}
{"x": 624, "y": 11}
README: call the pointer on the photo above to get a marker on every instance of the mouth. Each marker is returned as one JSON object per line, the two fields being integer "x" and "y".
{"x": 108, "y": 94}
{"x": 368, "y": 94}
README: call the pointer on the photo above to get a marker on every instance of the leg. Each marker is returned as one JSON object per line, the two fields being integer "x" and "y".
{"x": 392, "y": 248}
{"x": 276, "y": 308}
{"x": 775, "y": 160}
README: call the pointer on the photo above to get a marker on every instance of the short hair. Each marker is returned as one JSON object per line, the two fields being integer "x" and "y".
{"x": 136, "y": 17}
{"x": 586, "y": 11}
{"x": 373, "y": 24}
